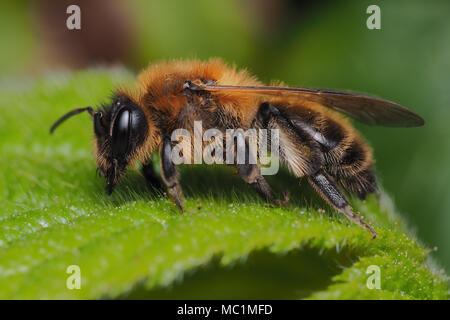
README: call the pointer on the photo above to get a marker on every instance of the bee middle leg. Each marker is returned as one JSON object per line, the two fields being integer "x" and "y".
{"x": 249, "y": 172}
{"x": 170, "y": 174}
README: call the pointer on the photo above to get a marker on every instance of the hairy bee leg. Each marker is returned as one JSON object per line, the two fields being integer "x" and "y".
{"x": 249, "y": 172}
{"x": 170, "y": 174}
{"x": 329, "y": 192}
{"x": 150, "y": 175}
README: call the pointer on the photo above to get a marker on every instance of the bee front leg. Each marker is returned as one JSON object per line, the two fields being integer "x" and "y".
{"x": 170, "y": 174}
{"x": 152, "y": 179}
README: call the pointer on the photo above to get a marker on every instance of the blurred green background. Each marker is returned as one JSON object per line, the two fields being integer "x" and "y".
{"x": 303, "y": 43}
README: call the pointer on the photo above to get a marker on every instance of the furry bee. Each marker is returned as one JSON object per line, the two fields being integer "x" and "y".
{"x": 316, "y": 140}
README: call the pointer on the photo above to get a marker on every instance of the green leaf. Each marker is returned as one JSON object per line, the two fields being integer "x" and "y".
{"x": 135, "y": 244}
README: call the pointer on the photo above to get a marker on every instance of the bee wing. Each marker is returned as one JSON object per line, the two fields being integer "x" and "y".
{"x": 369, "y": 110}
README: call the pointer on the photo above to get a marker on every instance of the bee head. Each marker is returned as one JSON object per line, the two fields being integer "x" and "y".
{"x": 120, "y": 130}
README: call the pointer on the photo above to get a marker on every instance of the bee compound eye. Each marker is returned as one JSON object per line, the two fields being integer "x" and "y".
{"x": 121, "y": 133}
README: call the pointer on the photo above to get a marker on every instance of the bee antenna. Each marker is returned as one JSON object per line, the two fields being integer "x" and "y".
{"x": 70, "y": 114}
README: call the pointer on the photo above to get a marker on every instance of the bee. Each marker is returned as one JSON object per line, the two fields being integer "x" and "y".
{"x": 315, "y": 139}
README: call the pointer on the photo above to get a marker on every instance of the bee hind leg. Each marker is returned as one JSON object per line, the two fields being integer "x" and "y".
{"x": 330, "y": 193}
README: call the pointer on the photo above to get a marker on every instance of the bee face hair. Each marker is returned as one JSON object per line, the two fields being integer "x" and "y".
{"x": 120, "y": 129}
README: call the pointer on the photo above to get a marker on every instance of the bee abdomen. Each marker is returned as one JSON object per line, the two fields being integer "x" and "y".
{"x": 360, "y": 184}
{"x": 311, "y": 140}
{"x": 352, "y": 167}
{"x": 347, "y": 158}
